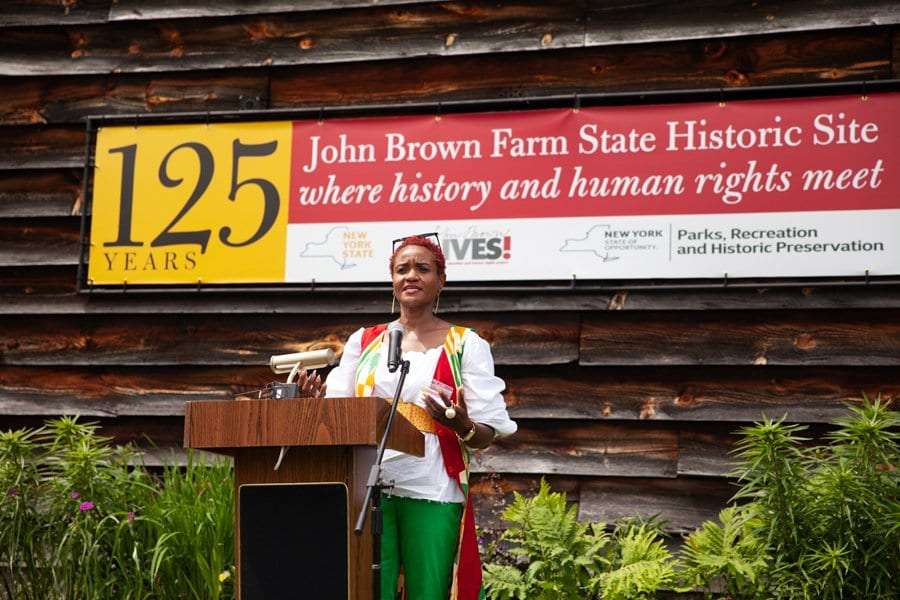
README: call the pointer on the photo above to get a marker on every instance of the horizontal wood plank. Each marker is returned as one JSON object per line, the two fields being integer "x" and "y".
{"x": 45, "y": 283}
{"x": 40, "y": 193}
{"x": 47, "y": 241}
{"x": 831, "y": 56}
{"x": 729, "y": 18}
{"x": 422, "y": 29}
{"x": 493, "y": 492}
{"x": 706, "y": 451}
{"x": 565, "y": 448}
{"x": 142, "y": 431}
{"x": 727, "y": 62}
{"x": 760, "y": 296}
{"x": 810, "y": 395}
{"x": 121, "y": 392}
{"x": 49, "y": 290}
{"x": 57, "y": 147}
{"x": 712, "y": 338}
{"x": 55, "y": 99}
{"x": 248, "y": 340}
{"x": 19, "y": 13}
{"x": 139, "y": 10}
{"x": 807, "y": 395}
{"x": 683, "y": 503}
{"x": 895, "y": 63}
{"x": 291, "y": 38}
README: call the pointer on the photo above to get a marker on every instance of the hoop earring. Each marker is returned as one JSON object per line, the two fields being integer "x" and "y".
{"x": 437, "y": 303}
{"x": 393, "y": 299}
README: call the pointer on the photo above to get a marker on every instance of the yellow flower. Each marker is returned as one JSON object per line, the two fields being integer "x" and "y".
{"x": 224, "y": 575}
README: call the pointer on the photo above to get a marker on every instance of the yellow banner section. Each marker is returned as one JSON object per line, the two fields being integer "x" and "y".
{"x": 190, "y": 204}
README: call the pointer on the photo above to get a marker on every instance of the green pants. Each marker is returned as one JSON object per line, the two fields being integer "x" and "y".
{"x": 421, "y": 537}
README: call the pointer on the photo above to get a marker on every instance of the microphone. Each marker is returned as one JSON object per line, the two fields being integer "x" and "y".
{"x": 395, "y": 342}
{"x": 312, "y": 359}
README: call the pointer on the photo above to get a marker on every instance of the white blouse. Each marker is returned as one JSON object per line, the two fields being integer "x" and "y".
{"x": 425, "y": 477}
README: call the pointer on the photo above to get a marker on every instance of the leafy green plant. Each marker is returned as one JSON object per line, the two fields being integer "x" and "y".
{"x": 808, "y": 522}
{"x": 828, "y": 515}
{"x": 79, "y": 521}
{"x": 726, "y": 555}
{"x": 552, "y": 555}
{"x": 640, "y": 563}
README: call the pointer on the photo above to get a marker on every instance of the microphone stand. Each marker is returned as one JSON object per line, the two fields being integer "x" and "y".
{"x": 374, "y": 487}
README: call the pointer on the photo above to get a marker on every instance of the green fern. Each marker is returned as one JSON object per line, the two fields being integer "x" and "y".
{"x": 729, "y": 554}
{"x": 556, "y": 557}
{"x": 641, "y": 564}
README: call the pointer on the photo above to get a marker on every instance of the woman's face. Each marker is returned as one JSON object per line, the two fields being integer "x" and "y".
{"x": 415, "y": 277}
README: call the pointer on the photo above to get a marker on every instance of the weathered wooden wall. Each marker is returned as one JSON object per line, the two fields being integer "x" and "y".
{"x": 625, "y": 399}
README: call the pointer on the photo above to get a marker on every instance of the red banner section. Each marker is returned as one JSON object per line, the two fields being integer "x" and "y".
{"x": 801, "y": 154}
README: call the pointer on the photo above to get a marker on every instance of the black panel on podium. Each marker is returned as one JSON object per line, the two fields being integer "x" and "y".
{"x": 294, "y": 541}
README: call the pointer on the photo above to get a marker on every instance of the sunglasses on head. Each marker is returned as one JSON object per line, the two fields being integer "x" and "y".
{"x": 433, "y": 236}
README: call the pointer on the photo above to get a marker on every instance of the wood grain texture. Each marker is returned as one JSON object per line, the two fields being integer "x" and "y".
{"x": 421, "y": 29}
{"x": 718, "y": 62}
{"x": 706, "y": 451}
{"x": 29, "y": 147}
{"x": 139, "y": 432}
{"x": 121, "y": 392}
{"x": 290, "y": 39}
{"x": 40, "y": 193}
{"x": 582, "y": 449}
{"x": 734, "y": 395}
{"x": 50, "y": 290}
{"x": 128, "y": 10}
{"x": 45, "y": 283}
{"x": 249, "y": 340}
{"x": 39, "y": 241}
{"x": 895, "y": 45}
{"x": 832, "y": 56}
{"x": 57, "y": 99}
{"x": 23, "y": 13}
{"x": 683, "y": 503}
{"x": 163, "y": 340}
{"x": 712, "y": 338}
{"x": 493, "y": 492}
{"x": 728, "y": 18}
{"x": 216, "y": 424}
{"x": 807, "y": 395}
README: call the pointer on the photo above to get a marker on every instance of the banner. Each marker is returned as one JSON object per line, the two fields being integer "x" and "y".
{"x": 789, "y": 188}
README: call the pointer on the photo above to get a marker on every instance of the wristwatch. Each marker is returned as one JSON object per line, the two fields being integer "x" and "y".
{"x": 470, "y": 434}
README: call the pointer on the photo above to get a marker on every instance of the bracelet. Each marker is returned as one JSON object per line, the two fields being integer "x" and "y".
{"x": 471, "y": 433}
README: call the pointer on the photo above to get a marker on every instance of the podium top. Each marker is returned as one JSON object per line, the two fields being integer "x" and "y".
{"x": 229, "y": 424}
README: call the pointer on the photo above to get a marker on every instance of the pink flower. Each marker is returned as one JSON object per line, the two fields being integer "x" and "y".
{"x": 131, "y": 516}
{"x": 74, "y": 495}
{"x": 12, "y": 492}
{"x": 85, "y": 506}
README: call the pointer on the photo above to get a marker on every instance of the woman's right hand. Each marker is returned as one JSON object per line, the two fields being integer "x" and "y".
{"x": 311, "y": 384}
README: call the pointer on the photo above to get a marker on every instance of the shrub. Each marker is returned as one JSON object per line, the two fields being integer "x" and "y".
{"x": 828, "y": 515}
{"x": 808, "y": 522}
{"x": 552, "y": 556}
{"x": 77, "y": 521}
{"x": 726, "y": 555}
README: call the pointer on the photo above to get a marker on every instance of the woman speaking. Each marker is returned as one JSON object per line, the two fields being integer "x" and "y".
{"x": 452, "y": 395}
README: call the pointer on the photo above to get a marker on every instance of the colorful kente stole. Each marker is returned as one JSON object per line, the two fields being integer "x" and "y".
{"x": 467, "y": 566}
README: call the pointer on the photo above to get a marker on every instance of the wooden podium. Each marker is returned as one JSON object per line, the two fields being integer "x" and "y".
{"x": 331, "y": 441}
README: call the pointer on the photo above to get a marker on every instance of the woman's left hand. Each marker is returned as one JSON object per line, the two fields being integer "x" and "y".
{"x": 460, "y": 423}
